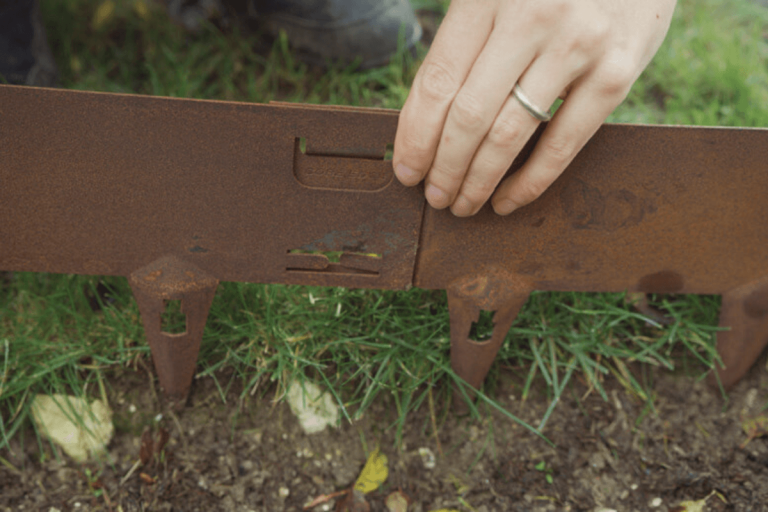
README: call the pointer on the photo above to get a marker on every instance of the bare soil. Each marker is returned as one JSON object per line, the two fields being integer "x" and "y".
{"x": 618, "y": 454}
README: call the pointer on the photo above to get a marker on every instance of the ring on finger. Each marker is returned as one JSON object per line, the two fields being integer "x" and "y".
{"x": 525, "y": 101}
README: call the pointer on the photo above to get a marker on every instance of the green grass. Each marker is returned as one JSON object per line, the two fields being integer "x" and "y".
{"x": 362, "y": 345}
{"x": 711, "y": 70}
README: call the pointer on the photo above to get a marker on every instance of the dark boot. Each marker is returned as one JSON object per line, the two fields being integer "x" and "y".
{"x": 25, "y": 58}
{"x": 190, "y": 14}
{"x": 345, "y": 31}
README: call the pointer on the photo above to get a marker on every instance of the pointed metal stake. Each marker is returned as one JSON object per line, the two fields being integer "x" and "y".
{"x": 471, "y": 360}
{"x": 174, "y": 355}
{"x": 745, "y": 311}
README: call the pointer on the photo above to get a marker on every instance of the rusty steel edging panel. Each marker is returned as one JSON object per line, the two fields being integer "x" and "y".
{"x": 105, "y": 184}
{"x": 641, "y": 208}
{"x": 178, "y": 194}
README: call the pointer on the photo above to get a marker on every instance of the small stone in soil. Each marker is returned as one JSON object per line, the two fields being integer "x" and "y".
{"x": 427, "y": 458}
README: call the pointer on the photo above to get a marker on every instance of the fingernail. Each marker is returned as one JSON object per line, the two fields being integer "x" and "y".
{"x": 406, "y": 175}
{"x": 462, "y": 207}
{"x": 436, "y": 197}
{"x": 504, "y": 207}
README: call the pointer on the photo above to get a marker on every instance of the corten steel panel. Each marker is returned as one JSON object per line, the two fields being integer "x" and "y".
{"x": 641, "y": 208}
{"x": 105, "y": 184}
{"x": 179, "y": 194}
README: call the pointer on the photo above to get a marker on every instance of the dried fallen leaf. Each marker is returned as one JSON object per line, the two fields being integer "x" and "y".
{"x": 96, "y": 484}
{"x": 458, "y": 484}
{"x": 324, "y": 498}
{"x": 147, "y": 447}
{"x": 152, "y": 445}
{"x": 692, "y": 506}
{"x": 146, "y": 478}
{"x": 374, "y": 472}
{"x": 397, "y": 502}
{"x": 103, "y": 14}
{"x": 353, "y": 502}
{"x": 141, "y": 9}
{"x": 161, "y": 440}
{"x": 754, "y": 428}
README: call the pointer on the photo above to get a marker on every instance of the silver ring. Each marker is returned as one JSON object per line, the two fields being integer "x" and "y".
{"x": 525, "y": 101}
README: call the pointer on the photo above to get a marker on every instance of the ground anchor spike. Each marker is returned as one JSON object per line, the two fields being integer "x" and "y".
{"x": 471, "y": 360}
{"x": 744, "y": 311}
{"x": 174, "y": 355}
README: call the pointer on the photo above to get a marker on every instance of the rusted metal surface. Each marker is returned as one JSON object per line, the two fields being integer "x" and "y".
{"x": 180, "y": 194}
{"x": 643, "y": 209}
{"x": 744, "y": 311}
{"x": 174, "y": 354}
{"x": 113, "y": 184}
{"x": 106, "y": 184}
{"x": 472, "y": 359}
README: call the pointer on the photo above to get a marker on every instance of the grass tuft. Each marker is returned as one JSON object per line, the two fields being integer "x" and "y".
{"x": 69, "y": 334}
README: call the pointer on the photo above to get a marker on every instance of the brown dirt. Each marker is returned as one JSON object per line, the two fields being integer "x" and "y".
{"x": 615, "y": 454}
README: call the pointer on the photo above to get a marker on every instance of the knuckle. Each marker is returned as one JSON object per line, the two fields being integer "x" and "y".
{"x": 467, "y": 111}
{"x": 438, "y": 82}
{"x": 482, "y": 179}
{"x": 586, "y": 42}
{"x": 548, "y": 13}
{"x": 477, "y": 192}
{"x": 415, "y": 146}
{"x": 505, "y": 132}
{"x": 594, "y": 35}
{"x": 446, "y": 179}
{"x": 415, "y": 152}
{"x": 528, "y": 191}
{"x": 559, "y": 149}
{"x": 616, "y": 76}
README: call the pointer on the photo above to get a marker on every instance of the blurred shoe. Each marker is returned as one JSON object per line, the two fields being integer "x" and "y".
{"x": 339, "y": 31}
{"x": 191, "y": 14}
{"x": 25, "y": 57}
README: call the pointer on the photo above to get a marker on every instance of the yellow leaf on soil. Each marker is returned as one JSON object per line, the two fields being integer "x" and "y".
{"x": 693, "y": 506}
{"x": 758, "y": 425}
{"x": 103, "y": 14}
{"x": 374, "y": 472}
{"x": 141, "y": 9}
{"x": 754, "y": 428}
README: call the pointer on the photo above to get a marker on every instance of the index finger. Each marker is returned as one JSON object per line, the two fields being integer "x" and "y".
{"x": 458, "y": 42}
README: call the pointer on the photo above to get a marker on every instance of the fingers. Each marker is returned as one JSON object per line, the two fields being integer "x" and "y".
{"x": 463, "y": 141}
{"x": 460, "y": 129}
{"x": 472, "y": 113}
{"x": 509, "y": 132}
{"x": 459, "y": 41}
{"x": 575, "y": 122}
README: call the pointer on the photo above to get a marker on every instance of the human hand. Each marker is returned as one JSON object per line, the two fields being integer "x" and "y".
{"x": 461, "y": 127}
